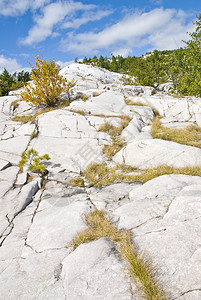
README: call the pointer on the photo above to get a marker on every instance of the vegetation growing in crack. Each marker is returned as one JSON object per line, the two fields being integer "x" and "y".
{"x": 130, "y": 102}
{"x": 101, "y": 174}
{"x": 139, "y": 266}
{"x": 98, "y": 174}
{"x": 84, "y": 97}
{"x": 26, "y": 119}
{"x": 78, "y": 111}
{"x": 34, "y": 134}
{"x": 110, "y": 150}
{"x": 15, "y": 104}
{"x": 114, "y": 132}
{"x": 34, "y": 161}
{"x": 190, "y": 135}
{"x": 151, "y": 173}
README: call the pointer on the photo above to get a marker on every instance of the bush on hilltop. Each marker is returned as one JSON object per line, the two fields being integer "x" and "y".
{"x": 47, "y": 84}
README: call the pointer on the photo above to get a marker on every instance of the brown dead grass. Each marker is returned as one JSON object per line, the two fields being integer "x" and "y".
{"x": 139, "y": 266}
{"x": 190, "y": 135}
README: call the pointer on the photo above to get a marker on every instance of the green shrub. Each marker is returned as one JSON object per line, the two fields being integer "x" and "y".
{"x": 47, "y": 85}
{"x": 34, "y": 160}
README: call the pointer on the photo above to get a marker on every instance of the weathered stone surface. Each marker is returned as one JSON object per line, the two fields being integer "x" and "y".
{"x": 89, "y": 74}
{"x": 152, "y": 153}
{"x": 4, "y": 164}
{"x": 7, "y": 179}
{"x": 112, "y": 196}
{"x": 39, "y": 218}
{"x": 71, "y": 140}
{"x": 164, "y": 215}
{"x": 12, "y": 148}
{"x": 21, "y": 178}
{"x": 94, "y": 271}
{"x": 58, "y": 219}
{"x": 133, "y": 129}
{"x": 36, "y": 277}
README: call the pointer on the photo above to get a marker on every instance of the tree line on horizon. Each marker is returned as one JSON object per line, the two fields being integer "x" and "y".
{"x": 12, "y": 82}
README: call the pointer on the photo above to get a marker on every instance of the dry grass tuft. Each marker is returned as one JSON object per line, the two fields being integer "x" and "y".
{"x": 190, "y": 135}
{"x": 97, "y": 93}
{"x": 15, "y": 104}
{"x": 116, "y": 146}
{"x": 156, "y": 112}
{"x": 140, "y": 268}
{"x": 98, "y": 174}
{"x": 77, "y": 181}
{"x": 34, "y": 134}
{"x": 23, "y": 119}
{"x": 78, "y": 111}
{"x": 151, "y": 173}
{"x": 114, "y": 132}
{"x": 110, "y": 129}
{"x": 26, "y": 119}
{"x": 130, "y": 102}
{"x": 101, "y": 174}
{"x": 84, "y": 97}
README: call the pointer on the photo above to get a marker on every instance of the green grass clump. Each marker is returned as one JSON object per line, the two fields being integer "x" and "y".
{"x": 190, "y": 135}
{"x": 140, "y": 268}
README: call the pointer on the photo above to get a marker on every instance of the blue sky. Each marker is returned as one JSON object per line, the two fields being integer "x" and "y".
{"x": 64, "y": 30}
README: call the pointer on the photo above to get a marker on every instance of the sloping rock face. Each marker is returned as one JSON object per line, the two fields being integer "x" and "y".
{"x": 40, "y": 217}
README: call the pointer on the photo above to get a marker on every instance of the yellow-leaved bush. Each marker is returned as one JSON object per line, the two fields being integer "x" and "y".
{"x": 47, "y": 84}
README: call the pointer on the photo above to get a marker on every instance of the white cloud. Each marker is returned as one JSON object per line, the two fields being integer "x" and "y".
{"x": 10, "y": 64}
{"x": 156, "y": 27}
{"x": 87, "y": 17}
{"x": 19, "y": 7}
{"x": 52, "y": 15}
{"x": 157, "y": 2}
{"x": 122, "y": 51}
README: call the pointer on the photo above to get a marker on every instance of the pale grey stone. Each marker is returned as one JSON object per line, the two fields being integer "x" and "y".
{"x": 21, "y": 178}
{"x": 164, "y": 216}
{"x": 57, "y": 224}
{"x": 4, "y": 164}
{"x": 36, "y": 277}
{"x": 94, "y": 271}
{"x": 12, "y": 149}
{"x": 111, "y": 196}
{"x": 165, "y": 87}
{"x": 152, "y": 153}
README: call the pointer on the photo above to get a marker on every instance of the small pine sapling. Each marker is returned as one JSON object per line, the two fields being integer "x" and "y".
{"x": 34, "y": 160}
